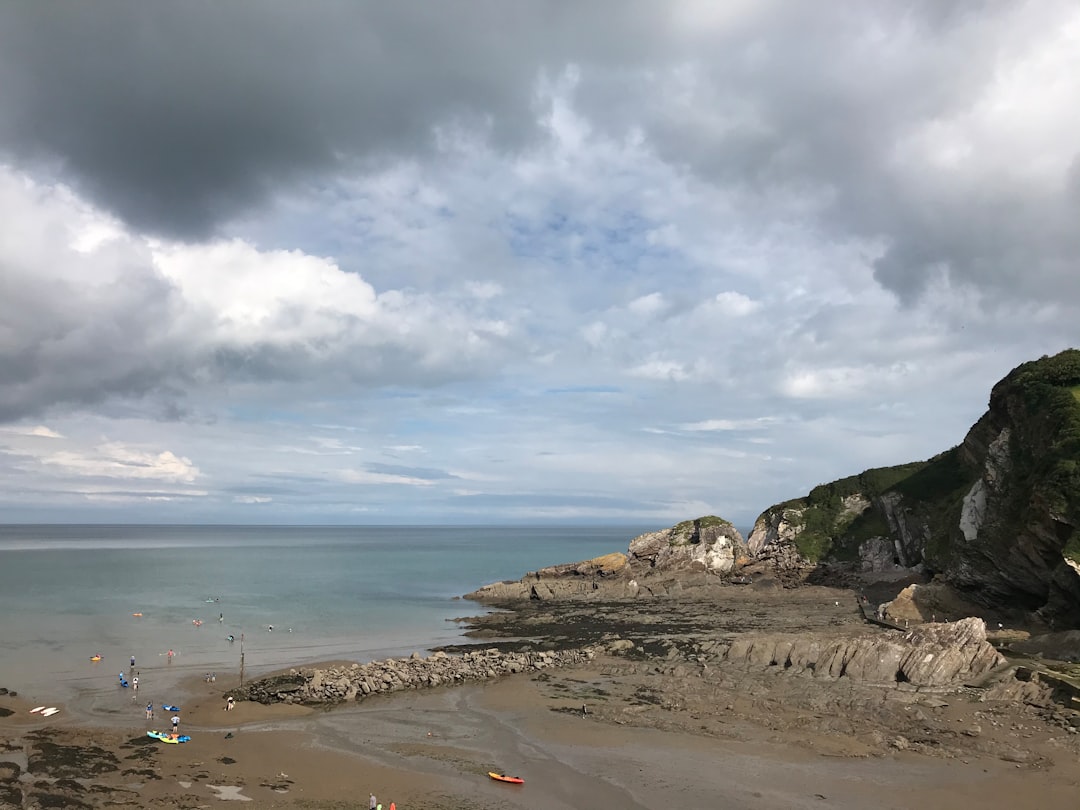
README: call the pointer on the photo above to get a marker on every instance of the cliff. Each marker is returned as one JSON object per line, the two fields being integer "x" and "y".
{"x": 996, "y": 518}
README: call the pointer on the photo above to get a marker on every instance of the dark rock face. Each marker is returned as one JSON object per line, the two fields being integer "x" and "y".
{"x": 997, "y": 518}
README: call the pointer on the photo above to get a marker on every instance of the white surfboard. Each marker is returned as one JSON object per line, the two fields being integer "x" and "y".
{"x": 50, "y": 712}
{"x": 38, "y": 709}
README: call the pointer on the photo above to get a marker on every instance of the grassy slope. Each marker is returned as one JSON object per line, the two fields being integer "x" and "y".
{"x": 1042, "y": 396}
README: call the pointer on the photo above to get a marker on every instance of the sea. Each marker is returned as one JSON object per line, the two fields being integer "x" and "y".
{"x": 286, "y": 595}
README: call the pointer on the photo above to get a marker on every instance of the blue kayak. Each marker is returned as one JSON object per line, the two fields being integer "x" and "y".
{"x": 168, "y": 708}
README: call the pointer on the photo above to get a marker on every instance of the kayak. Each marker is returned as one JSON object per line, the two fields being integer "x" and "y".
{"x": 95, "y": 657}
{"x": 502, "y": 777}
{"x": 168, "y": 708}
{"x": 168, "y": 738}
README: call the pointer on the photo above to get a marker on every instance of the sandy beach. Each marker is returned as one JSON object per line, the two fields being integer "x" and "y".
{"x": 433, "y": 749}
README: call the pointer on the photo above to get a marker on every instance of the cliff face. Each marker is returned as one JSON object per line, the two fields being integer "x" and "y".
{"x": 997, "y": 517}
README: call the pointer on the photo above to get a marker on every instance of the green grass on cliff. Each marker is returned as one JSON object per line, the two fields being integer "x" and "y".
{"x": 829, "y": 532}
{"x": 1040, "y": 402}
{"x": 1050, "y": 391}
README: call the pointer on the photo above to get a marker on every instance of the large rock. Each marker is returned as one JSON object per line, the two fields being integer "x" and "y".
{"x": 707, "y": 544}
{"x": 930, "y": 656}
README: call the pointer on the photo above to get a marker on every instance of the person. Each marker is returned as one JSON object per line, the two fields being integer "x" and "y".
{"x": 175, "y": 723}
{"x": 171, "y": 654}
{"x": 213, "y": 677}
{"x": 371, "y": 802}
{"x": 270, "y": 629}
{"x": 584, "y": 711}
{"x": 135, "y": 683}
{"x": 133, "y": 662}
{"x": 230, "y": 704}
{"x": 220, "y": 618}
{"x": 231, "y": 638}
{"x": 150, "y": 710}
{"x": 393, "y": 806}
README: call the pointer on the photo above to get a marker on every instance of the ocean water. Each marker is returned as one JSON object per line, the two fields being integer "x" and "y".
{"x": 354, "y": 593}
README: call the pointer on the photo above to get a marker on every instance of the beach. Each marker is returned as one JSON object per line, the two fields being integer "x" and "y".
{"x": 655, "y": 734}
{"x": 433, "y": 750}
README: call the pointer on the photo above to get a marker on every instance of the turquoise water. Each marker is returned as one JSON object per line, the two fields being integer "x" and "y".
{"x": 354, "y": 593}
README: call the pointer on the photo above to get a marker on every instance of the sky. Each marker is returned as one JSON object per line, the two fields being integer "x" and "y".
{"x": 500, "y": 262}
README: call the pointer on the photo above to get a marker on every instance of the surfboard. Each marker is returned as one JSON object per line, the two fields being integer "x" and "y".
{"x": 36, "y": 709}
{"x": 50, "y": 712}
{"x": 169, "y": 708}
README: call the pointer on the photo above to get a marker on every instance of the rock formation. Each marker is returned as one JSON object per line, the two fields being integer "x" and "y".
{"x": 996, "y": 518}
{"x": 353, "y": 682}
{"x": 655, "y": 562}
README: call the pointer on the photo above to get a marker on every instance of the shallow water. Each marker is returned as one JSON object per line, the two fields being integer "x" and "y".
{"x": 354, "y": 593}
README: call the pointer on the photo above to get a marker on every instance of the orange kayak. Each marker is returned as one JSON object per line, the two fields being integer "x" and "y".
{"x": 502, "y": 777}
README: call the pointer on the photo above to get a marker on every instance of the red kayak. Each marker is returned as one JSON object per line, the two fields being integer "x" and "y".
{"x": 502, "y": 777}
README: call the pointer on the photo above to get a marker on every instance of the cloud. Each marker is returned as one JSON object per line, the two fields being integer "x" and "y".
{"x": 131, "y": 317}
{"x": 115, "y": 460}
{"x": 585, "y": 261}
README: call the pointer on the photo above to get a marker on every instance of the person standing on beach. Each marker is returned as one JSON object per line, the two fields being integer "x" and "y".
{"x": 133, "y": 662}
{"x": 135, "y": 683}
{"x": 150, "y": 710}
{"x": 176, "y": 723}
{"x": 371, "y": 802}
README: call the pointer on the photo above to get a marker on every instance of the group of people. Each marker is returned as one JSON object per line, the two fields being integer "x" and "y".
{"x": 373, "y": 804}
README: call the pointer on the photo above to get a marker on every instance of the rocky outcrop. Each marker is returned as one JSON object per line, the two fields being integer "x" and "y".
{"x": 655, "y": 563}
{"x": 611, "y": 572}
{"x": 358, "y": 681}
{"x": 706, "y": 544}
{"x": 996, "y": 518}
{"x": 930, "y": 656}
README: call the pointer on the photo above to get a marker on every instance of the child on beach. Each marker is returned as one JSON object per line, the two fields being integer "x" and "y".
{"x": 150, "y": 710}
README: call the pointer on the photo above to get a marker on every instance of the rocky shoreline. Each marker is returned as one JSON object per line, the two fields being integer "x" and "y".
{"x": 327, "y": 686}
{"x": 799, "y": 661}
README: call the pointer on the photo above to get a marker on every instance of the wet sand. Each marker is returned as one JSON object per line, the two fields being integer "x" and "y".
{"x": 433, "y": 748}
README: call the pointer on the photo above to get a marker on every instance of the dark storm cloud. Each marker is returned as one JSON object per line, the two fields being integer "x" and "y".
{"x": 815, "y": 111}
{"x": 178, "y": 115}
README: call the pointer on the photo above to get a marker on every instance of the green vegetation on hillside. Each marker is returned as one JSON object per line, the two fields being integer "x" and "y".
{"x": 1039, "y": 403}
{"x": 830, "y": 532}
{"x": 1050, "y": 388}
